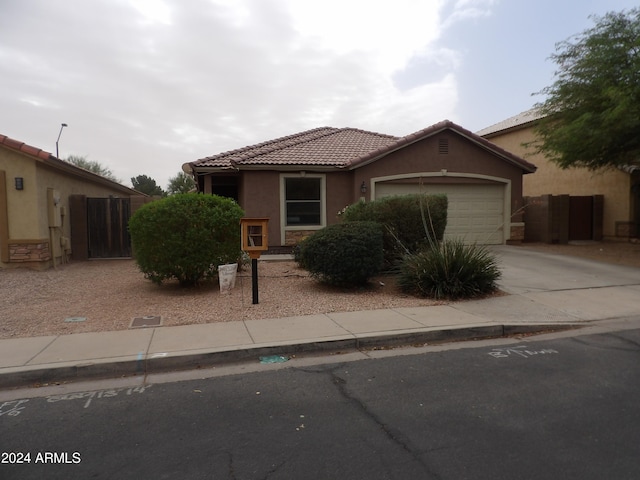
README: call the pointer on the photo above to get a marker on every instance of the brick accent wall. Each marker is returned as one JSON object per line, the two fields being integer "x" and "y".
{"x": 517, "y": 233}
{"x": 293, "y": 237}
{"x": 22, "y": 251}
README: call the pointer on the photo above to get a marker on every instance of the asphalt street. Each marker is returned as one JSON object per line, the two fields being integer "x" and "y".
{"x": 531, "y": 408}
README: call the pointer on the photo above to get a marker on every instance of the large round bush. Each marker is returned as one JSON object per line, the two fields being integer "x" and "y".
{"x": 344, "y": 254}
{"x": 410, "y": 221}
{"x": 186, "y": 236}
{"x": 450, "y": 269}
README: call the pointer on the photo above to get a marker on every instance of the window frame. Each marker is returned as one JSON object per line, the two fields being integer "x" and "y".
{"x": 283, "y": 202}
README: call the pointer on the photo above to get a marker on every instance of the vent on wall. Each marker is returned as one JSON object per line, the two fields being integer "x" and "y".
{"x": 443, "y": 146}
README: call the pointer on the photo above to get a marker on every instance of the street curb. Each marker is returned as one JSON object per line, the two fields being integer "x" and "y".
{"x": 44, "y": 375}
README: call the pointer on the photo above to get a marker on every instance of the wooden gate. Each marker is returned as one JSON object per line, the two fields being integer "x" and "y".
{"x": 581, "y": 218}
{"x": 107, "y": 225}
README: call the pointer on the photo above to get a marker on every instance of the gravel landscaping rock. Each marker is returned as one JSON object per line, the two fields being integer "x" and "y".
{"x": 110, "y": 293}
{"x": 104, "y": 295}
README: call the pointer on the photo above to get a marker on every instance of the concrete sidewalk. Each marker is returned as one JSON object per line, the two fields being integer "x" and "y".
{"x": 580, "y": 291}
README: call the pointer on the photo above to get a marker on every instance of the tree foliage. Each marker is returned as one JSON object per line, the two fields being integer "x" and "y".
{"x": 148, "y": 185}
{"x": 591, "y": 114}
{"x": 92, "y": 166}
{"x": 181, "y": 183}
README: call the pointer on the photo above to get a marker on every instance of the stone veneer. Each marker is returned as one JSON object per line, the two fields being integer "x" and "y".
{"x": 293, "y": 237}
{"x": 25, "y": 251}
{"x": 517, "y": 233}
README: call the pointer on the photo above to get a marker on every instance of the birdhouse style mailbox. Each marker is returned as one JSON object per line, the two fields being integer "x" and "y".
{"x": 255, "y": 237}
{"x": 255, "y": 240}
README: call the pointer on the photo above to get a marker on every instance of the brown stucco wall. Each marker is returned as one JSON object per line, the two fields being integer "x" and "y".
{"x": 259, "y": 196}
{"x": 342, "y": 192}
{"x": 613, "y": 184}
{"x": 463, "y": 157}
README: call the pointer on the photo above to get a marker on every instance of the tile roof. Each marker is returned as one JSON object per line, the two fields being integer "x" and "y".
{"x": 512, "y": 122}
{"x": 323, "y": 147}
{"x": 341, "y": 148}
{"x": 23, "y": 147}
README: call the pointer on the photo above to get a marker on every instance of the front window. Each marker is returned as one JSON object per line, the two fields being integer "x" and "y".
{"x": 303, "y": 201}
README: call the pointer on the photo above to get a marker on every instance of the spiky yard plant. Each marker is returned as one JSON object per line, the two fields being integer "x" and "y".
{"x": 449, "y": 269}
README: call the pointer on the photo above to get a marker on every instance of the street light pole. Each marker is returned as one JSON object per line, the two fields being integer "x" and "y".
{"x": 61, "y": 127}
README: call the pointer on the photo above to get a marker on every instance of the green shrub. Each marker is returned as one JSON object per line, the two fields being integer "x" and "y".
{"x": 344, "y": 254}
{"x": 449, "y": 269}
{"x": 186, "y": 236}
{"x": 410, "y": 221}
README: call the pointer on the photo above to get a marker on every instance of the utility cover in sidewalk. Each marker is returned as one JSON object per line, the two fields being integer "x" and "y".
{"x": 75, "y": 319}
{"x": 147, "y": 321}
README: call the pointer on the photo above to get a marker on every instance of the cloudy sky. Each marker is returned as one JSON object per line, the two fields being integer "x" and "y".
{"x": 147, "y": 85}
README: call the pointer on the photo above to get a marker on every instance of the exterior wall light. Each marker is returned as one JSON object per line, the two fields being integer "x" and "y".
{"x": 363, "y": 187}
{"x": 19, "y": 183}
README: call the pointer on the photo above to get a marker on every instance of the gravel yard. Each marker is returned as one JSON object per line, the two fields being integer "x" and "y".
{"x": 110, "y": 293}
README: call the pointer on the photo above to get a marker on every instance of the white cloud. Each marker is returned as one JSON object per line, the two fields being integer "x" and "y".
{"x": 146, "y": 85}
{"x": 389, "y": 32}
{"x": 153, "y": 11}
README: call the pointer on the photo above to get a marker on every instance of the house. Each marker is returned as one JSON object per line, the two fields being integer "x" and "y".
{"x": 51, "y": 210}
{"x": 301, "y": 182}
{"x": 586, "y": 205}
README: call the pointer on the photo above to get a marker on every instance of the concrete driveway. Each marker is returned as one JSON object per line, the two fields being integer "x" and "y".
{"x": 525, "y": 271}
{"x": 551, "y": 288}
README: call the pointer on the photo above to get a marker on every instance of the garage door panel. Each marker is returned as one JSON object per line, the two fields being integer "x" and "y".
{"x": 475, "y": 213}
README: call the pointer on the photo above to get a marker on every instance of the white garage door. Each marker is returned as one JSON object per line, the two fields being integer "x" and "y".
{"x": 475, "y": 213}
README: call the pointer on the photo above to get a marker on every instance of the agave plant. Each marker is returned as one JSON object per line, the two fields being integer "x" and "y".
{"x": 449, "y": 269}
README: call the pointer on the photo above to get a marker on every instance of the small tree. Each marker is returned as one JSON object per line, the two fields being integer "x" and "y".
{"x": 92, "y": 166}
{"x": 181, "y": 183}
{"x": 186, "y": 237}
{"x": 148, "y": 185}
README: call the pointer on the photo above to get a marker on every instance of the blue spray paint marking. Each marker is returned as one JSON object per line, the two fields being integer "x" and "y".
{"x": 139, "y": 366}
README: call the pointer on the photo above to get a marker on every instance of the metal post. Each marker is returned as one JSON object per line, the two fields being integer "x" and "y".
{"x": 61, "y": 127}
{"x": 254, "y": 279}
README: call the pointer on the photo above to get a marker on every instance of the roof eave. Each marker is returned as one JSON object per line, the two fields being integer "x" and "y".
{"x": 291, "y": 168}
{"x": 197, "y": 169}
{"x": 87, "y": 175}
{"x": 503, "y": 154}
{"x": 513, "y": 128}
{"x": 435, "y": 130}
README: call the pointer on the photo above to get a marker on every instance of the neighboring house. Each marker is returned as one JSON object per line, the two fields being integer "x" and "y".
{"x": 46, "y": 209}
{"x": 301, "y": 182}
{"x": 612, "y": 207}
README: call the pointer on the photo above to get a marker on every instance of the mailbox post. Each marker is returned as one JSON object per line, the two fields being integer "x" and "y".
{"x": 255, "y": 240}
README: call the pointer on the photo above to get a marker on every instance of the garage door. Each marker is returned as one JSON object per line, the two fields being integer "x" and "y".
{"x": 475, "y": 213}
